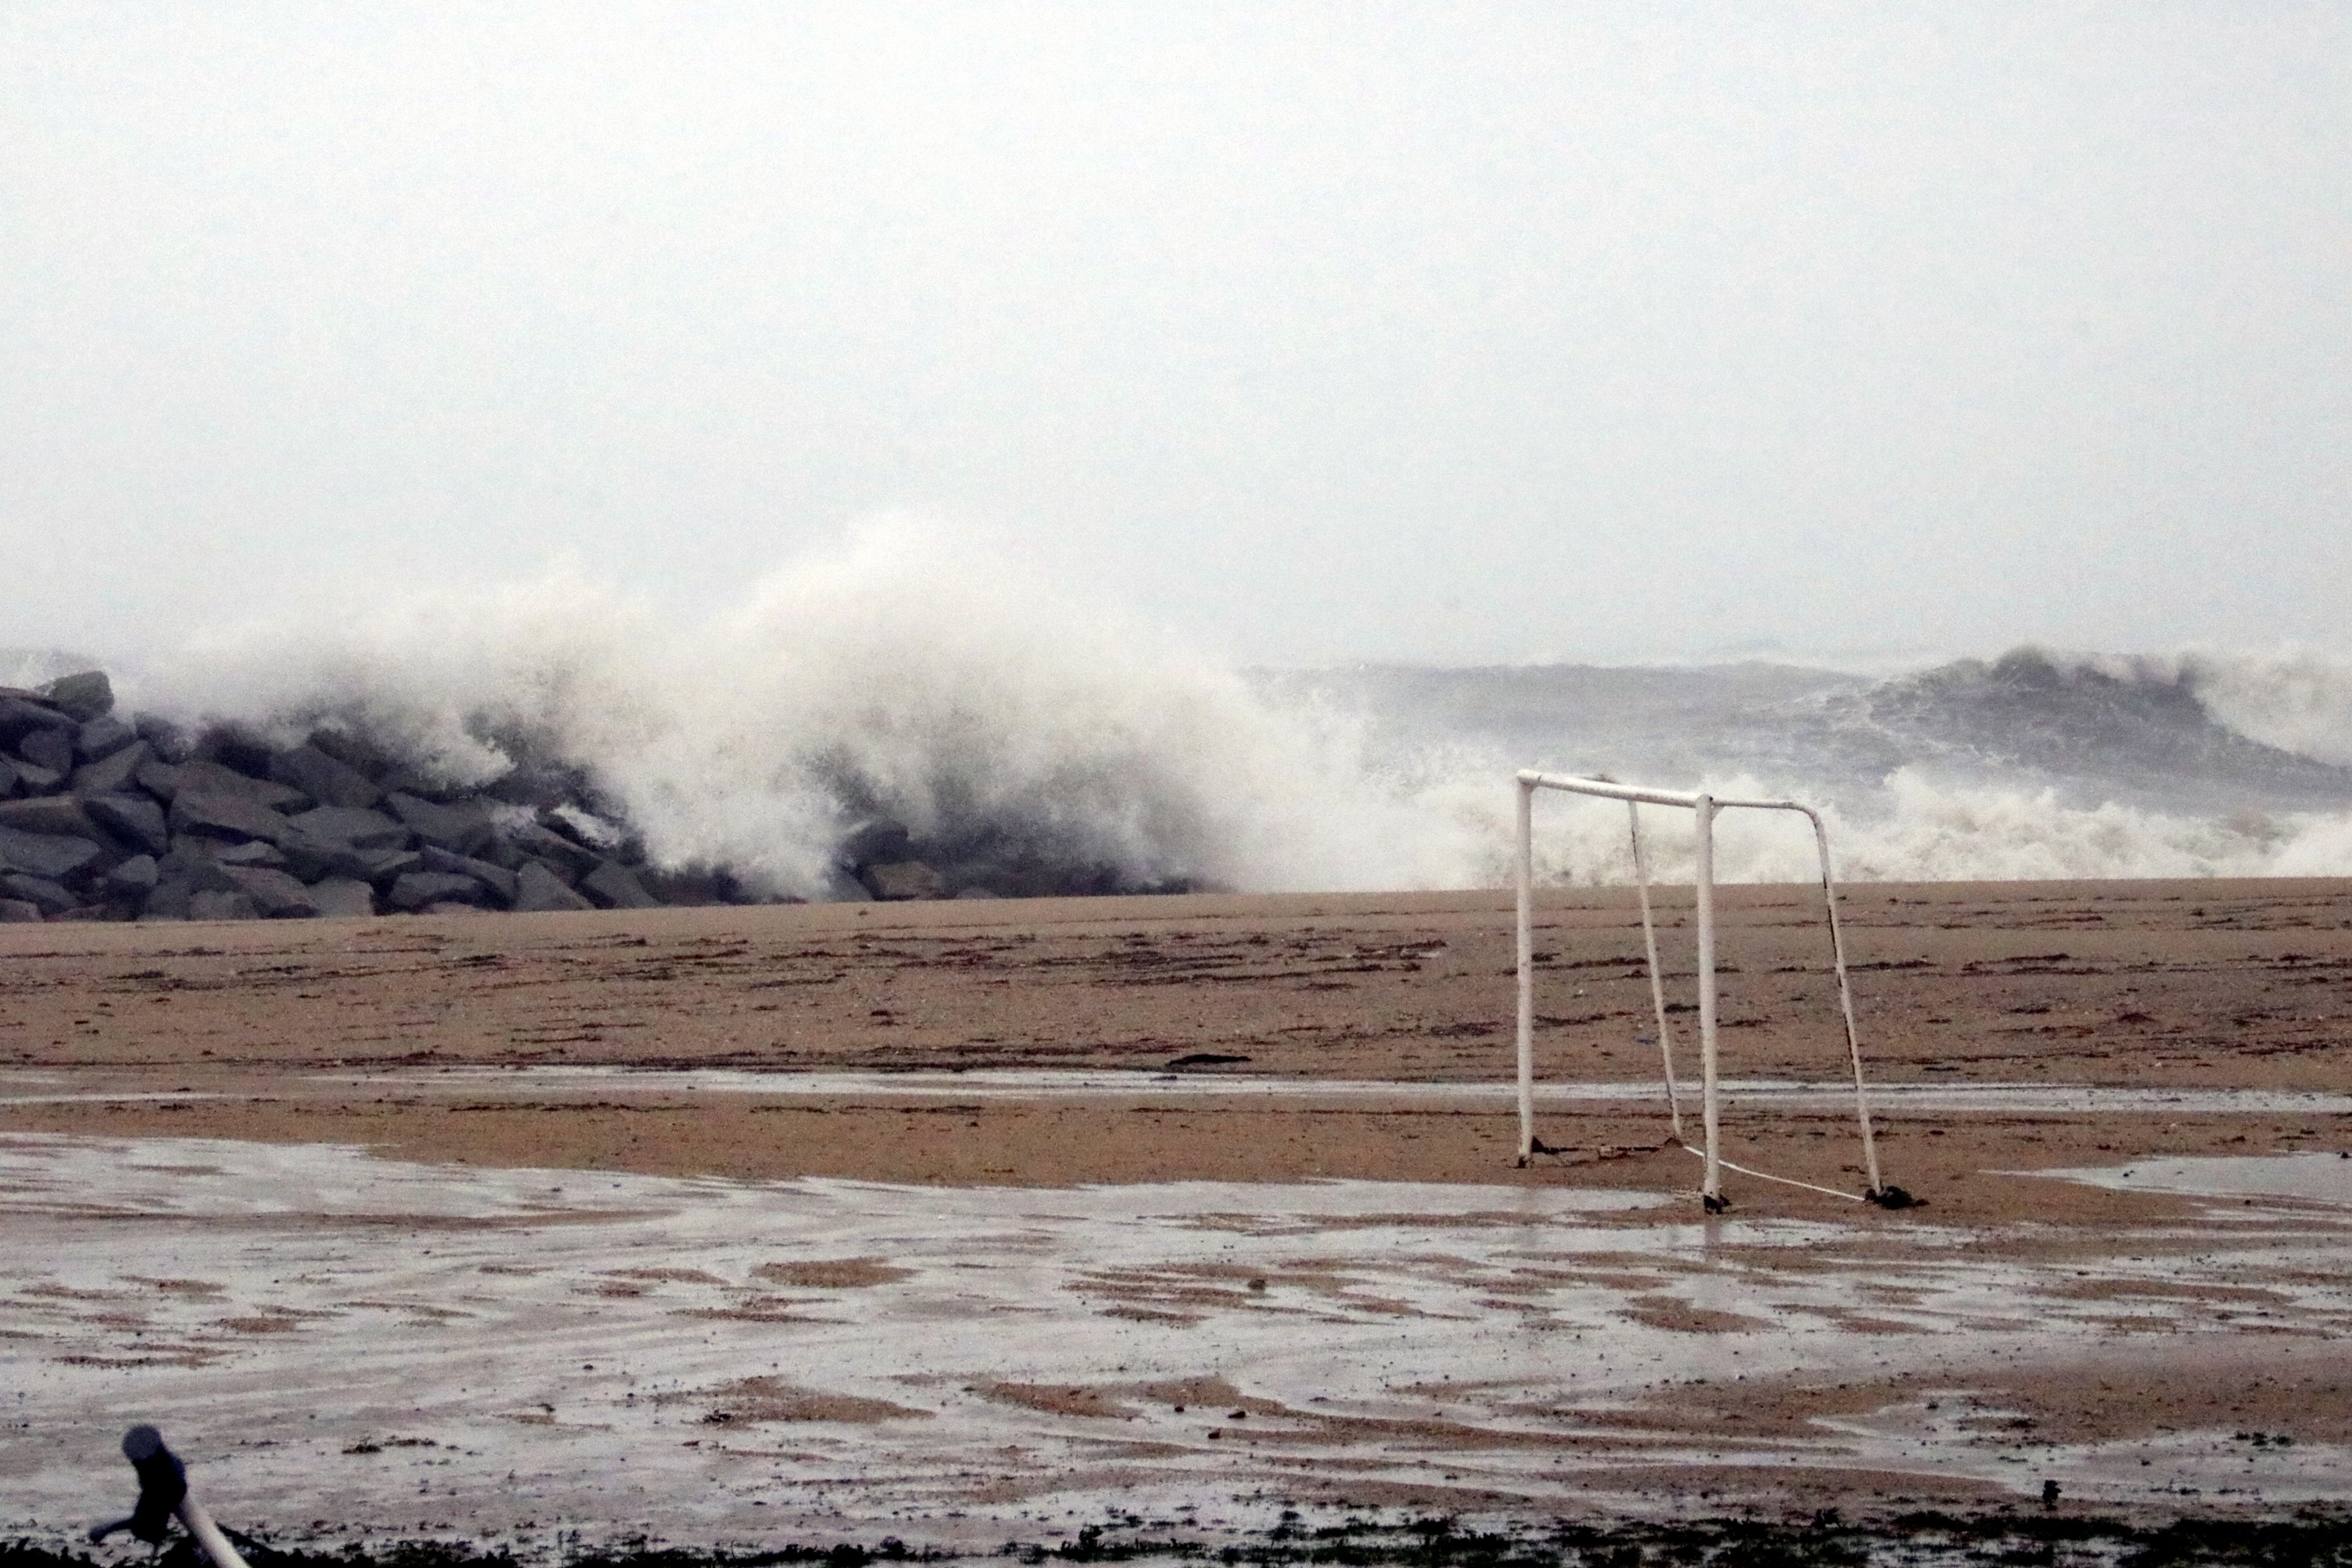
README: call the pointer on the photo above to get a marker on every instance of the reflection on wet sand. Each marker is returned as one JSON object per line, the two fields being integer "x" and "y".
{"x": 405, "y": 1349}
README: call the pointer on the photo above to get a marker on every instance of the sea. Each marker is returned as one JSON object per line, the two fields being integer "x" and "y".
{"x": 765, "y": 734}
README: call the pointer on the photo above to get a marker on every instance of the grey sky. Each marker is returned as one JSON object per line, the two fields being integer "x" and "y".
{"x": 1318, "y": 331}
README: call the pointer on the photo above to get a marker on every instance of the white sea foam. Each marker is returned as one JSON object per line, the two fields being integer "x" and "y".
{"x": 898, "y": 675}
{"x": 1913, "y": 827}
{"x": 909, "y": 674}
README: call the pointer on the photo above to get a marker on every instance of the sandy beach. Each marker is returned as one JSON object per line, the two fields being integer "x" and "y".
{"x": 282, "y": 1031}
{"x": 2177, "y": 1048}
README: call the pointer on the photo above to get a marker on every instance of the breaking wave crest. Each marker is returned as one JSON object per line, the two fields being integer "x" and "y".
{"x": 2237, "y": 723}
{"x": 895, "y": 681}
{"x": 2299, "y": 700}
{"x": 905, "y": 682}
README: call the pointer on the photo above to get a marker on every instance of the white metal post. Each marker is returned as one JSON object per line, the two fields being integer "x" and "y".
{"x": 1526, "y": 972}
{"x": 1845, "y": 1008}
{"x": 1711, "y": 1193}
{"x": 209, "y": 1535}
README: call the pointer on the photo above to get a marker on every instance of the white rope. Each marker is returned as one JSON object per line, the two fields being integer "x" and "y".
{"x": 1784, "y": 1181}
{"x": 1657, "y": 984}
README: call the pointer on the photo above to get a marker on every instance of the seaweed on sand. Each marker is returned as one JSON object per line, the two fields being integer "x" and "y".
{"x": 2319, "y": 1538}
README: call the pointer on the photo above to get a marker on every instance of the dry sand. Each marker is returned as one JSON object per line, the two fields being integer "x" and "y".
{"x": 398, "y": 1035}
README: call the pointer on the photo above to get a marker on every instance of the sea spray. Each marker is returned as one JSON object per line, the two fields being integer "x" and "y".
{"x": 892, "y": 681}
{"x": 1042, "y": 741}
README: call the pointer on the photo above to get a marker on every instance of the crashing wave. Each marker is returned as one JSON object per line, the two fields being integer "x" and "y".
{"x": 901, "y": 697}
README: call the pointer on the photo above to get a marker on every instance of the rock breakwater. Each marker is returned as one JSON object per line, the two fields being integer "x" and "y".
{"x": 111, "y": 817}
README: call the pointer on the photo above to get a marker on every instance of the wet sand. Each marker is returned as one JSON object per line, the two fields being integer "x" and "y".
{"x": 1372, "y": 1034}
{"x": 283, "y": 1026}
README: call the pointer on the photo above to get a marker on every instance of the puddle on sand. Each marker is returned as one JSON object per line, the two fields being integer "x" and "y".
{"x": 2317, "y": 1178}
{"x": 1045, "y": 1083}
{"x": 1054, "y": 1083}
{"x": 401, "y": 1349}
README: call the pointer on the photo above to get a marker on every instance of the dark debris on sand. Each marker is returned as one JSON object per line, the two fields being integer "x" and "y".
{"x": 2314, "y": 1539}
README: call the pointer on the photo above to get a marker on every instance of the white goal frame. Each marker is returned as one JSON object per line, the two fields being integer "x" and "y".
{"x": 1703, "y": 806}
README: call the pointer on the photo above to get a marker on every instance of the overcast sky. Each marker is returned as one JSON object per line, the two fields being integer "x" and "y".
{"x": 1316, "y": 331}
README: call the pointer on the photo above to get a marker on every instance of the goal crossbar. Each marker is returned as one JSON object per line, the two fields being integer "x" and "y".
{"x": 1703, "y": 806}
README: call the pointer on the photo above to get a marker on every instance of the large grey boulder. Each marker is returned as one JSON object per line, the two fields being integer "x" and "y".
{"x": 131, "y": 817}
{"x": 20, "y": 716}
{"x": 113, "y": 775}
{"x": 207, "y": 777}
{"x": 274, "y": 893}
{"x": 356, "y": 753}
{"x": 222, "y": 907}
{"x": 82, "y": 697}
{"x": 383, "y": 866}
{"x": 903, "y": 880}
{"x": 689, "y": 886}
{"x": 237, "y": 747}
{"x": 35, "y": 779}
{"x": 539, "y": 891}
{"x": 10, "y": 781}
{"x": 324, "y": 779}
{"x": 312, "y": 858}
{"x": 190, "y": 860}
{"x": 43, "y": 894}
{"x": 883, "y": 841}
{"x": 616, "y": 887}
{"x": 102, "y": 738}
{"x": 133, "y": 879}
{"x": 18, "y": 911}
{"x": 344, "y": 841}
{"x": 360, "y": 828}
{"x": 496, "y": 879}
{"x": 116, "y": 773}
{"x": 50, "y": 749}
{"x": 569, "y": 860}
{"x": 170, "y": 900}
{"x": 537, "y": 785}
{"x": 419, "y": 889}
{"x": 226, "y": 817}
{"x": 57, "y": 813}
{"x": 55, "y": 856}
{"x": 165, "y": 739}
{"x": 250, "y": 852}
{"x": 158, "y": 778}
{"x": 342, "y": 898}
{"x": 463, "y": 828}
{"x": 499, "y": 851}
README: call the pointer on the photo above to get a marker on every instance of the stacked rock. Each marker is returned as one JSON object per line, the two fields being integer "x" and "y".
{"x": 103, "y": 818}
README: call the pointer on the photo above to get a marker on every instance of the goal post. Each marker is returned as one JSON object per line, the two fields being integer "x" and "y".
{"x": 1703, "y": 806}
